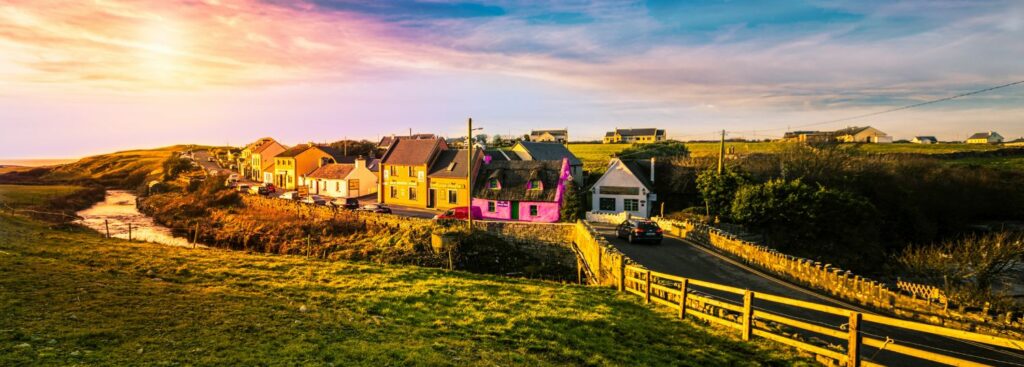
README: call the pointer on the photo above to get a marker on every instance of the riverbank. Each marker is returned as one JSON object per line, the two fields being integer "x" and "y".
{"x": 76, "y": 298}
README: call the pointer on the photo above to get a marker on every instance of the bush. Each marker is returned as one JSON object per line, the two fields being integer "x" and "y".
{"x": 572, "y": 203}
{"x": 661, "y": 149}
{"x": 719, "y": 190}
{"x": 174, "y": 166}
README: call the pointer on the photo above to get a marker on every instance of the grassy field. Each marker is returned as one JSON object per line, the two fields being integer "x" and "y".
{"x": 113, "y": 168}
{"x": 19, "y": 196}
{"x": 74, "y": 298}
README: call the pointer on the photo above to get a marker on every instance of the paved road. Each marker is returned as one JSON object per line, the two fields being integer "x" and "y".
{"x": 683, "y": 258}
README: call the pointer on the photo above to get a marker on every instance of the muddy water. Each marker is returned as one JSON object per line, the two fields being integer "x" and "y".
{"x": 118, "y": 210}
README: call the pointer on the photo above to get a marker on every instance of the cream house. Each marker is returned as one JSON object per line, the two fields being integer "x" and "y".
{"x": 626, "y": 187}
{"x": 866, "y": 134}
{"x": 990, "y": 137}
{"x": 342, "y": 180}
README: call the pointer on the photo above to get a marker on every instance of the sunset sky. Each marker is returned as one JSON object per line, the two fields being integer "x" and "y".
{"x": 88, "y": 77}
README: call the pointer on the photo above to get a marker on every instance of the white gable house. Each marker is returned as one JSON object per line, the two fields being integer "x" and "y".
{"x": 626, "y": 187}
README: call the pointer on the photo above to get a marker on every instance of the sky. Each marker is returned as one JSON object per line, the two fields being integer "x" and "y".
{"x": 87, "y": 77}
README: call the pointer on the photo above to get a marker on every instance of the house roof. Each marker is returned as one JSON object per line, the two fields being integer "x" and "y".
{"x": 984, "y": 135}
{"x": 373, "y": 165}
{"x": 338, "y": 155}
{"x": 412, "y": 151}
{"x": 851, "y": 130}
{"x": 636, "y": 132}
{"x": 539, "y": 151}
{"x": 269, "y": 167}
{"x": 451, "y": 164}
{"x": 552, "y": 132}
{"x": 641, "y": 169}
{"x": 513, "y": 177}
{"x": 294, "y": 151}
{"x": 333, "y": 171}
{"x": 263, "y": 144}
{"x": 387, "y": 141}
{"x": 501, "y": 155}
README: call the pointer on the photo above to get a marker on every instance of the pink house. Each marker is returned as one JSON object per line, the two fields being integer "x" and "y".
{"x": 527, "y": 191}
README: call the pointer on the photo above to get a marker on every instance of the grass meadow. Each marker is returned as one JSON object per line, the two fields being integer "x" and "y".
{"x": 70, "y": 297}
{"x": 21, "y": 196}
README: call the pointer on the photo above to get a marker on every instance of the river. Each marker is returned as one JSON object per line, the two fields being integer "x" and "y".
{"x": 118, "y": 210}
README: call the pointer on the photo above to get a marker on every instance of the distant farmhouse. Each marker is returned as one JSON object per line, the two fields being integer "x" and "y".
{"x": 924, "y": 140}
{"x": 1019, "y": 142}
{"x": 990, "y": 137}
{"x": 550, "y": 136}
{"x": 866, "y": 134}
{"x": 648, "y": 135}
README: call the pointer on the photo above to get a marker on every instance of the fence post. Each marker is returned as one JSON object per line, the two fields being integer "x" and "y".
{"x": 307, "y": 246}
{"x": 682, "y": 297}
{"x": 647, "y": 289}
{"x": 106, "y": 225}
{"x": 129, "y": 232}
{"x": 748, "y": 313}
{"x": 622, "y": 273}
{"x": 195, "y": 236}
{"x": 853, "y": 350}
{"x": 579, "y": 271}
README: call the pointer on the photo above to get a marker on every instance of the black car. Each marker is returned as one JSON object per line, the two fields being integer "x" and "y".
{"x": 375, "y": 208}
{"x": 639, "y": 230}
{"x": 346, "y": 203}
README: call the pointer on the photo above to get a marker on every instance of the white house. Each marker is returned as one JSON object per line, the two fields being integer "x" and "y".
{"x": 342, "y": 180}
{"x": 990, "y": 137}
{"x": 626, "y": 187}
{"x": 924, "y": 140}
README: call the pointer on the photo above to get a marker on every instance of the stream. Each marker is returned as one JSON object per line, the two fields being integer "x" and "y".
{"x": 118, "y": 211}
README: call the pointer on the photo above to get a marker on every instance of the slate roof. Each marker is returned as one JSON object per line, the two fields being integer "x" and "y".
{"x": 922, "y": 138}
{"x": 636, "y": 132}
{"x": 263, "y": 144}
{"x": 450, "y": 164}
{"x": 412, "y": 151}
{"x": 294, "y": 151}
{"x": 983, "y": 135}
{"x": 333, "y": 171}
{"x": 387, "y": 141}
{"x": 642, "y": 170}
{"x": 338, "y": 155}
{"x": 540, "y": 151}
{"x": 851, "y": 130}
{"x": 373, "y": 165}
{"x": 562, "y": 132}
{"x": 514, "y": 175}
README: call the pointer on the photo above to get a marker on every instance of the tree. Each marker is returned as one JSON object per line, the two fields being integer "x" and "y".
{"x": 718, "y": 190}
{"x": 661, "y": 149}
{"x": 355, "y": 148}
{"x": 572, "y": 203}
{"x": 174, "y": 166}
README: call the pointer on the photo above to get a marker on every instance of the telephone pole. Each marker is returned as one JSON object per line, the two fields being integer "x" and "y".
{"x": 721, "y": 154}
{"x": 469, "y": 173}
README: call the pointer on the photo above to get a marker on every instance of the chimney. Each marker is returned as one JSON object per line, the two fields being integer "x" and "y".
{"x": 652, "y": 169}
{"x": 360, "y": 162}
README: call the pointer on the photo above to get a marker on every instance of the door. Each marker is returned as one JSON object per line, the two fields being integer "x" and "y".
{"x": 353, "y": 188}
{"x": 431, "y": 196}
{"x": 515, "y": 210}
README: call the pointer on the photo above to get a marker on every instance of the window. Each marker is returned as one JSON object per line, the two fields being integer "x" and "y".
{"x": 490, "y": 207}
{"x": 410, "y": 170}
{"x": 412, "y": 193}
{"x": 535, "y": 185}
{"x": 394, "y": 192}
{"x": 631, "y": 205}
{"x": 607, "y": 204}
{"x": 493, "y": 184}
{"x": 337, "y": 186}
{"x": 353, "y": 183}
{"x": 533, "y": 210}
{"x": 453, "y": 196}
{"x": 420, "y": 175}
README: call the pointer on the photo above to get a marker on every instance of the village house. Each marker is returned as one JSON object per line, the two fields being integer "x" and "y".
{"x": 990, "y": 137}
{"x": 527, "y": 191}
{"x": 300, "y": 160}
{"x": 924, "y": 140}
{"x": 343, "y": 180}
{"x": 550, "y": 136}
{"x": 531, "y": 151}
{"x": 626, "y": 187}
{"x": 642, "y": 136}
{"x": 255, "y": 157}
{"x": 866, "y": 134}
{"x": 807, "y": 137}
{"x": 425, "y": 173}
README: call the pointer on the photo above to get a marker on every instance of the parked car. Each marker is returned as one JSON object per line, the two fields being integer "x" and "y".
{"x": 459, "y": 213}
{"x": 258, "y": 190}
{"x": 242, "y": 188}
{"x": 375, "y": 208}
{"x": 345, "y": 203}
{"x": 291, "y": 195}
{"x": 636, "y": 230}
{"x": 314, "y": 200}
{"x": 270, "y": 188}
{"x": 209, "y": 159}
{"x": 230, "y": 182}
{"x": 233, "y": 176}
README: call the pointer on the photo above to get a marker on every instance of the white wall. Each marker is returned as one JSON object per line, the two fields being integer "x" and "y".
{"x": 618, "y": 175}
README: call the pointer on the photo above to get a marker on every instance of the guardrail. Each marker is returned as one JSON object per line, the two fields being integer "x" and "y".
{"x": 685, "y": 296}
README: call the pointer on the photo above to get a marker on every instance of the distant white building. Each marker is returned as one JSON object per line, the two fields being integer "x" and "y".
{"x": 990, "y": 137}
{"x": 924, "y": 140}
{"x": 343, "y": 180}
{"x": 626, "y": 187}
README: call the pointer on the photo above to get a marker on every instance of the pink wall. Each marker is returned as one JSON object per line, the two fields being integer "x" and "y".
{"x": 547, "y": 211}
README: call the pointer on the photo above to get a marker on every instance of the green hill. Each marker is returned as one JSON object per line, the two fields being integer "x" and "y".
{"x": 74, "y": 298}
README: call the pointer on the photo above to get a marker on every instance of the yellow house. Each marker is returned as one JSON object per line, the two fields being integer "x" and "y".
{"x": 300, "y": 160}
{"x": 447, "y": 184}
{"x": 990, "y": 137}
{"x": 403, "y": 171}
{"x": 639, "y": 136}
{"x": 262, "y": 158}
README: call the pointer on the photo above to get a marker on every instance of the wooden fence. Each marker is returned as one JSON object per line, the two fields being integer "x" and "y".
{"x": 689, "y": 297}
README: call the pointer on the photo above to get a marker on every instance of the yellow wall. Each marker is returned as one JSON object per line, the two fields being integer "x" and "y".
{"x": 441, "y": 187}
{"x": 293, "y": 167}
{"x": 285, "y": 167}
{"x": 401, "y": 180}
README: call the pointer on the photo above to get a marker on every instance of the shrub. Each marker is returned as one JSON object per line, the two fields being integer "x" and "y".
{"x": 718, "y": 191}
{"x": 661, "y": 149}
{"x": 572, "y": 204}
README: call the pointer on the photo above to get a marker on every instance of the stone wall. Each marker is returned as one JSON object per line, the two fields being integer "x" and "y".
{"x": 603, "y": 261}
{"x": 844, "y": 284}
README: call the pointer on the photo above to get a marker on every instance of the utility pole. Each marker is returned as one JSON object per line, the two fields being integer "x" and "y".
{"x": 469, "y": 173}
{"x": 721, "y": 154}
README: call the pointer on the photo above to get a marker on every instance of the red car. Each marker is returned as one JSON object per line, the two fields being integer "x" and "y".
{"x": 460, "y": 213}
